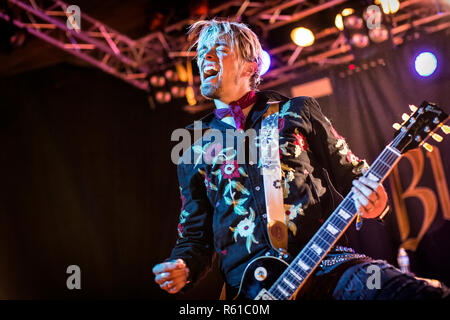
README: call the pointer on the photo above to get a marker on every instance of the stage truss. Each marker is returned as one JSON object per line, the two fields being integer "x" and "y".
{"x": 134, "y": 60}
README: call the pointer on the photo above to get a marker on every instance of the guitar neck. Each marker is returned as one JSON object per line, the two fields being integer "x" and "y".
{"x": 329, "y": 233}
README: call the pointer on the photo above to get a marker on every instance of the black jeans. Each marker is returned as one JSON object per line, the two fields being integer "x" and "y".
{"x": 369, "y": 280}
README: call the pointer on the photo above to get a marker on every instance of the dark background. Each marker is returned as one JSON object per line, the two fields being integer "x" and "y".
{"x": 87, "y": 179}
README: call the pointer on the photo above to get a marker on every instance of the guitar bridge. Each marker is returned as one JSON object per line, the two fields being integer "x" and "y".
{"x": 264, "y": 295}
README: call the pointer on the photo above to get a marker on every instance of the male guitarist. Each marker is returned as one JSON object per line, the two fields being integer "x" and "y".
{"x": 224, "y": 203}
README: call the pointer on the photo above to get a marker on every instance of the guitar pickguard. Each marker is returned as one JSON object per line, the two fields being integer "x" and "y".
{"x": 259, "y": 276}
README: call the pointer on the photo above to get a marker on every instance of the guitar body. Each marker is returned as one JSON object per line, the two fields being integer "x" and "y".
{"x": 259, "y": 276}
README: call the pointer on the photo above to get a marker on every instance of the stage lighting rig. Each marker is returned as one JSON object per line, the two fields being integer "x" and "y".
{"x": 302, "y": 37}
{"x": 338, "y": 21}
{"x": 173, "y": 85}
{"x": 367, "y": 30}
{"x": 389, "y": 6}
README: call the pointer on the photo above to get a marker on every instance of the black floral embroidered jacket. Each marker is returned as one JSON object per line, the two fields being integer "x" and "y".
{"x": 223, "y": 203}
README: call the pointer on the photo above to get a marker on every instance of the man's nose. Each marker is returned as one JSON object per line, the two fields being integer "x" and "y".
{"x": 210, "y": 55}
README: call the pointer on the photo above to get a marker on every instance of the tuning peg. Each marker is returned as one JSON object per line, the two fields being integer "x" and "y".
{"x": 428, "y": 147}
{"x": 437, "y": 137}
{"x": 446, "y": 129}
{"x": 396, "y": 126}
{"x": 405, "y": 117}
{"x": 413, "y": 108}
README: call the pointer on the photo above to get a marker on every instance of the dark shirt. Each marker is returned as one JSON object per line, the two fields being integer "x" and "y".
{"x": 223, "y": 204}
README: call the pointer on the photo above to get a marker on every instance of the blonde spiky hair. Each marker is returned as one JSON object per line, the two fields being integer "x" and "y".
{"x": 236, "y": 34}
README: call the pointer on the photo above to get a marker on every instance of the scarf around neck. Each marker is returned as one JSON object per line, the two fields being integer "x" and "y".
{"x": 235, "y": 109}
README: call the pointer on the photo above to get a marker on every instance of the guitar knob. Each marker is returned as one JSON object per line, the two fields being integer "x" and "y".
{"x": 418, "y": 138}
{"x": 436, "y": 120}
{"x": 426, "y": 129}
{"x": 260, "y": 273}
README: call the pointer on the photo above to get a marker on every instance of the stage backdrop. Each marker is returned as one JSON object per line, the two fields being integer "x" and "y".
{"x": 87, "y": 179}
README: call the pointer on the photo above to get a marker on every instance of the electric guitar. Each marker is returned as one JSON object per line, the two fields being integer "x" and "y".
{"x": 271, "y": 278}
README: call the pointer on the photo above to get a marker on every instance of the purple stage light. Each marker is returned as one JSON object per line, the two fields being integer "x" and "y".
{"x": 425, "y": 64}
{"x": 265, "y": 62}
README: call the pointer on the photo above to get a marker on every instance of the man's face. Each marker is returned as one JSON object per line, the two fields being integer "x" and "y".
{"x": 221, "y": 71}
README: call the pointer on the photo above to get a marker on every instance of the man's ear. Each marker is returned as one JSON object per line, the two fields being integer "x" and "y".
{"x": 250, "y": 68}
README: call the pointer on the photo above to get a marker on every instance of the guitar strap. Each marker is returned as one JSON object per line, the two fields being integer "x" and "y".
{"x": 271, "y": 171}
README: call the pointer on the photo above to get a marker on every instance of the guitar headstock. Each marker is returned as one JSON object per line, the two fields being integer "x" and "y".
{"x": 419, "y": 126}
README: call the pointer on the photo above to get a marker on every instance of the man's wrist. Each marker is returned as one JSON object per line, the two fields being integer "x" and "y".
{"x": 380, "y": 218}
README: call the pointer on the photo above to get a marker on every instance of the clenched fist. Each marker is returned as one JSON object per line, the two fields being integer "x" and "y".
{"x": 171, "y": 276}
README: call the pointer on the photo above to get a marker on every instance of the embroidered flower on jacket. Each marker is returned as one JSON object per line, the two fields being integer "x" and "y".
{"x": 237, "y": 204}
{"x": 285, "y": 111}
{"x": 208, "y": 181}
{"x": 300, "y": 143}
{"x": 343, "y": 146}
{"x": 335, "y": 133}
{"x": 281, "y": 123}
{"x": 291, "y": 212}
{"x": 287, "y": 172}
{"x": 352, "y": 158}
{"x": 286, "y": 187}
{"x": 230, "y": 169}
{"x": 180, "y": 230}
{"x": 183, "y": 215}
{"x": 245, "y": 229}
{"x": 286, "y": 190}
{"x": 290, "y": 176}
{"x": 211, "y": 152}
{"x": 183, "y": 199}
{"x": 283, "y": 149}
{"x": 297, "y": 151}
{"x": 344, "y": 150}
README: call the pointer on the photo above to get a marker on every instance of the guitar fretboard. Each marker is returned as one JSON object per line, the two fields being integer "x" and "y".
{"x": 328, "y": 234}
